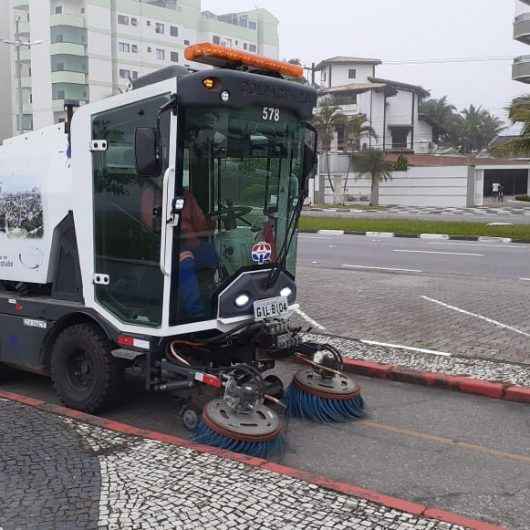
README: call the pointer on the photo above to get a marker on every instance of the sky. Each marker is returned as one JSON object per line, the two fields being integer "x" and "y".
{"x": 407, "y": 30}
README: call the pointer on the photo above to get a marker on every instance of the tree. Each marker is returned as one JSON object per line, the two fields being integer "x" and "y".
{"x": 519, "y": 112}
{"x": 476, "y": 129}
{"x": 372, "y": 164}
{"x": 440, "y": 115}
{"x": 355, "y": 127}
{"x": 326, "y": 120}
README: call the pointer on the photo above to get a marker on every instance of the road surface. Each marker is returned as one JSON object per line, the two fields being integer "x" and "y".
{"x": 467, "y": 298}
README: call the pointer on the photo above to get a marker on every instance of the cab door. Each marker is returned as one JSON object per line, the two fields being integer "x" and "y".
{"x": 128, "y": 210}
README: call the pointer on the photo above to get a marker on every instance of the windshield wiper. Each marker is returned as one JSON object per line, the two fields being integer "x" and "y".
{"x": 289, "y": 235}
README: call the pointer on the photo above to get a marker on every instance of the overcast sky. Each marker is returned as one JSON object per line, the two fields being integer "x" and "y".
{"x": 401, "y": 30}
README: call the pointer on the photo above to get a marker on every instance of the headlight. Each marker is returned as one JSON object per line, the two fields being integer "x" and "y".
{"x": 286, "y": 292}
{"x": 242, "y": 300}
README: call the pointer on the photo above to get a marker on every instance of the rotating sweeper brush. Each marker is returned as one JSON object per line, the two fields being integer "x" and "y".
{"x": 322, "y": 392}
{"x": 240, "y": 421}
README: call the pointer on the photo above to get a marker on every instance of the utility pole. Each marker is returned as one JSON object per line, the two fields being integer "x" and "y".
{"x": 18, "y": 44}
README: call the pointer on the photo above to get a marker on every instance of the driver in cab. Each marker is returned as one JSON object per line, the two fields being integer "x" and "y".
{"x": 195, "y": 254}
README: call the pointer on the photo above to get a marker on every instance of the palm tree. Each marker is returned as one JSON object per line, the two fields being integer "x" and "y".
{"x": 355, "y": 128}
{"x": 439, "y": 114}
{"x": 519, "y": 112}
{"x": 372, "y": 164}
{"x": 326, "y": 120}
{"x": 477, "y": 129}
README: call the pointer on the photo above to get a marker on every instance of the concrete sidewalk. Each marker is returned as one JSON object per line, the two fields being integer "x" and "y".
{"x": 509, "y": 214}
{"x": 57, "y": 473}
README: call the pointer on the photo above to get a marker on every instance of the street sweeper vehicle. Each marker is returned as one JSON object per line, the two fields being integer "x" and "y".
{"x": 155, "y": 232}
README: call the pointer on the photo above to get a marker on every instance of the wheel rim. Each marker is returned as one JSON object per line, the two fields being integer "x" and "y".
{"x": 80, "y": 370}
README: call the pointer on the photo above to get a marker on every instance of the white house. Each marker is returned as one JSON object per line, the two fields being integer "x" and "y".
{"x": 392, "y": 109}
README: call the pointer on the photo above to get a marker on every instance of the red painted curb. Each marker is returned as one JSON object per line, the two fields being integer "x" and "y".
{"x": 467, "y": 385}
{"x": 517, "y": 393}
{"x": 340, "y": 487}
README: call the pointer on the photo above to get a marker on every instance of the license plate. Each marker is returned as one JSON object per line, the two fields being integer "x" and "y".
{"x": 271, "y": 308}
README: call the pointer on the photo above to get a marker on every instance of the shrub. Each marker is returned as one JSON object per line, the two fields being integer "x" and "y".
{"x": 525, "y": 198}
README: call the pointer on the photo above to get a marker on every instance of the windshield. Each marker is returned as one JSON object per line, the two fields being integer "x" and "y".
{"x": 242, "y": 178}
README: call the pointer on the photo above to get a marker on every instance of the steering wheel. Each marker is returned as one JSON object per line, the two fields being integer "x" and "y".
{"x": 229, "y": 213}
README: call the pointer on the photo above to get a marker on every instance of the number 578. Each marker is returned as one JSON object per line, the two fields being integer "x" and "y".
{"x": 271, "y": 114}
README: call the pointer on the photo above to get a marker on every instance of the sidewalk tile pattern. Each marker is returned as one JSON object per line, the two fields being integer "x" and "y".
{"x": 57, "y": 473}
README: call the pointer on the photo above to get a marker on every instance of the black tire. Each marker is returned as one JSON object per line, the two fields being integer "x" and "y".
{"x": 6, "y": 373}
{"x": 85, "y": 375}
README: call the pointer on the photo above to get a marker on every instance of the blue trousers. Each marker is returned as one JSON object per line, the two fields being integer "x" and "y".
{"x": 204, "y": 257}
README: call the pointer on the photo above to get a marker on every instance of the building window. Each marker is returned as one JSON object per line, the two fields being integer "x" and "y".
{"x": 352, "y": 73}
{"x": 216, "y": 39}
{"x": 174, "y": 57}
{"x": 58, "y": 10}
{"x": 159, "y": 28}
{"x": 125, "y": 74}
{"x": 82, "y": 10}
{"x": 149, "y": 49}
{"x": 324, "y": 76}
{"x": 134, "y": 21}
{"x": 122, "y": 19}
{"x": 124, "y": 47}
{"x": 186, "y": 42}
{"x": 58, "y": 38}
{"x": 160, "y": 54}
{"x": 134, "y": 48}
{"x": 174, "y": 31}
{"x": 245, "y": 46}
{"x": 60, "y": 94}
{"x": 59, "y": 67}
{"x": 252, "y": 25}
{"x": 148, "y": 22}
{"x": 400, "y": 137}
{"x": 253, "y": 48}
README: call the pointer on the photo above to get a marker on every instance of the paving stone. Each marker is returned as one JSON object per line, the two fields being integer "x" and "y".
{"x": 128, "y": 482}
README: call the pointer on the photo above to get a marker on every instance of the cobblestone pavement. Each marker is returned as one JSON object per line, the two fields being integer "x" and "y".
{"x": 504, "y": 211}
{"x": 389, "y": 308}
{"x": 57, "y": 473}
{"x": 478, "y": 369}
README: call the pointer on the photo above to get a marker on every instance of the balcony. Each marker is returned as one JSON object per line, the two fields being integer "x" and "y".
{"x": 74, "y": 78}
{"x": 74, "y": 21}
{"x": 521, "y": 69}
{"x": 521, "y": 28}
{"x": 67, "y": 48}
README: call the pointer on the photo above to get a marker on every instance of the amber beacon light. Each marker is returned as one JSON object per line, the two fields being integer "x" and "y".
{"x": 216, "y": 55}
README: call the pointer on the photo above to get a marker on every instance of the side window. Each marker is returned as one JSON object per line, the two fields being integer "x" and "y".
{"x": 127, "y": 221}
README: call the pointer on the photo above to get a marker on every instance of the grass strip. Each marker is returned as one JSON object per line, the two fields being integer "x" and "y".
{"x": 414, "y": 227}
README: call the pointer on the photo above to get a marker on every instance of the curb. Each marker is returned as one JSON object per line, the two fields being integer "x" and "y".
{"x": 417, "y": 509}
{"x": 468, "y": 385}
{"x": 443, "y": 237}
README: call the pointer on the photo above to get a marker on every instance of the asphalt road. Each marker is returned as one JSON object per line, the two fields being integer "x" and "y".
{"x": 467, "y": 298}
{"x": 459, "y": 452}
{"x": 463, "y": 453}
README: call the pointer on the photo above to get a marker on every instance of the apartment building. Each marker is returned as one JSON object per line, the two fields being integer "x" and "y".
{"x": 521, "y": 33}
{"x": 6, "y": 129}
{"x": 392, "y": 108}
{"x": 91, "y": 49}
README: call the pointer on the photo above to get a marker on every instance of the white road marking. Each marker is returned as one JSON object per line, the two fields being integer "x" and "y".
{"x": 476, "y": 315}
{"x": 314, "y": 323}
{"x": 439, "y": 252}
{"x": 408, "y": 348}
{"x": 391, "y": 269}
{"x": 525, "y": 279}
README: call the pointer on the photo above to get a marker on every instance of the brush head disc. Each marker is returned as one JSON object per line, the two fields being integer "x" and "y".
{"x": 336, "y": 387}
{"x": 260, "y": 425}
